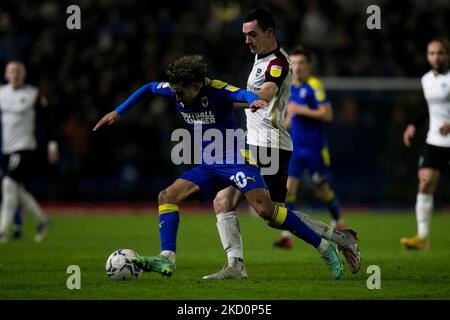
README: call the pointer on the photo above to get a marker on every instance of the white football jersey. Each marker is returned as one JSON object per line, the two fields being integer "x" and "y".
{"x": 265, "y": 127}
{"x": 436, "y": 89}
{"x": 17, "y": 107}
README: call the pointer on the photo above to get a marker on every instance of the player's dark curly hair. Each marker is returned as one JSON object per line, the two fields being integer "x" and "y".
{"x": 264, "y": 18}
{"x": 187, "y": 69}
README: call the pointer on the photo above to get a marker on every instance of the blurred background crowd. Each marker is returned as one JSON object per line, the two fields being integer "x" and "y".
{"x": 125, "y": 44}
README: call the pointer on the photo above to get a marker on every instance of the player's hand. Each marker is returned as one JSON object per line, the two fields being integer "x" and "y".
{"x": 107, "y": 120}
{"x": 53, "y": 156}
{"x": 291, "y": 108}
{"x": 296, "y": 109}
{"x": 257, "y": 104}
{"x": 409, "y": 134}
{"x": 445, "y": 129}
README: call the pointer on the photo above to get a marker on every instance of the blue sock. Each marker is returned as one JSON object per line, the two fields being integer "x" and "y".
{"x": 18, "y": 219}
{"x": 168, "y": 226}
{"x": 289, "y": 205}
{"x": 288, "y": 220}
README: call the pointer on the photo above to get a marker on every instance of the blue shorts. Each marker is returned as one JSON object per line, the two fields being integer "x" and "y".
{"x": 213, "y": 178}
{"x": 316, "y": 161}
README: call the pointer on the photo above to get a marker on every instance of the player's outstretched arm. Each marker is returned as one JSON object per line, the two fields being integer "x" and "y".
{"x": 158, "y": 88}
{"x": 107, "y": 120}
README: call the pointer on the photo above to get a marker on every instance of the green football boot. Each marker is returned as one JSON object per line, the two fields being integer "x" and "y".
{"x": 160, "y": 264}
{"x": 331, "y": 258}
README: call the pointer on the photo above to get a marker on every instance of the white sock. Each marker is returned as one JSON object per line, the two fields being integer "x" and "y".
{"x": 10, "y": 193}
{"x": 323, "y": 246}
{"x": 230, "y": 235}
{"x": 169, "y": 255}
{"x": 29, "y": 203}
{"x": 324, "y": 230}
{"x": 424, "y": 208}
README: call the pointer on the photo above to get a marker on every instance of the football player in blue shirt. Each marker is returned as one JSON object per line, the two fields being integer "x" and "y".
{"x": 206, "y": 104}
{"x": 307, "y": 112}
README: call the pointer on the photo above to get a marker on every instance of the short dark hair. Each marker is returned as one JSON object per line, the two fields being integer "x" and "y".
{"x": 444, "y": 43}
{"x": 187, "y": 69}
{"x": 299, "y": 50}
{"x": 264, "y": 18}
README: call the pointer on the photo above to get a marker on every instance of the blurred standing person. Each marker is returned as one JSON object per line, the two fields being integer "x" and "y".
{"x": 435, "y": 158}
{"x": 21, "y": 105}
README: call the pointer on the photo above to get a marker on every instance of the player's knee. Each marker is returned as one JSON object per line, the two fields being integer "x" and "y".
{"x": 165, "y": 196}
{"x": 8, "y": 184}
{"x": 263, "y": 209}
{"x": 427, "y": 185}
{"x": 222, "y": 204}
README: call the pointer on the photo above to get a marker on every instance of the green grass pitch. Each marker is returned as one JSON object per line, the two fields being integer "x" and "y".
{"x": 38, "y": 271}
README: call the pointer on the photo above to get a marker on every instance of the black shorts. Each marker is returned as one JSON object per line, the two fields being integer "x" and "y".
{"x": 276, "y": 183}
{"x": 435, "y": 157}
{"x": 19, "y": 165}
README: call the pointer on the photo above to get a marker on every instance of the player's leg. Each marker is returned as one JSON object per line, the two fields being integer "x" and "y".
{"x": 29, "y": 203}
{"x": 345, "y": 239}
{"x": 18, "y": 225}
{"x": 319, "y": 165}
{"x": 225, "y": 204}
{"x": 10, "y": 200}
{"x": 168, "y": 200}
{"x": 284, "y": 240}
{"x": 20, "y": 166}
{"x": 288, "y": 181}
{"x": 428, "y": 180}
{"x": 287, "y": 219}
{"x": 201, "y": 178}
{"x": 325, "y": 194}
{"x": 432, "y": 162}
{"x": 292, "y": 186}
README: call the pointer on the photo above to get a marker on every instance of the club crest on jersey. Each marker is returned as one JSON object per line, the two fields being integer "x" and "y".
{"x": 162, "y": 85}
{"x": 303, "y": 93}
{"x": 258, "y": 71}
{"x": 275, "y": 71}
{"x": 204, "y": 102}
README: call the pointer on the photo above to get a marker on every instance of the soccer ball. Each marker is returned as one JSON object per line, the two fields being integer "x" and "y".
{"x": 120, "y": 267}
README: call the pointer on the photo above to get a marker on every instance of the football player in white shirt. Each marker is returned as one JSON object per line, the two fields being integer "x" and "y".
{"x": 435, "y": 157}
{"x": 270, "y": 79}
{"x": 20, "y": 105}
